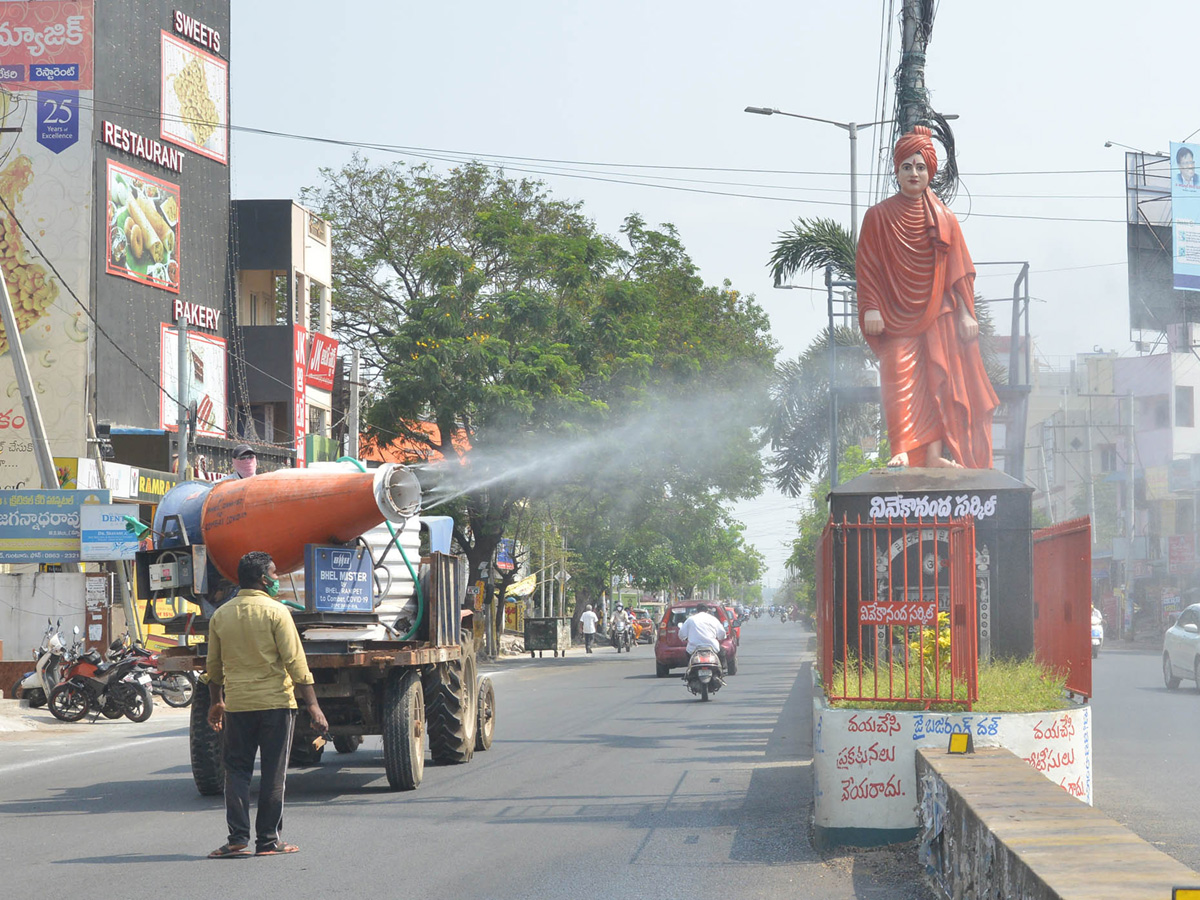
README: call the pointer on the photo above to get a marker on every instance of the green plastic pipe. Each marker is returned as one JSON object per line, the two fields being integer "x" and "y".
{"x": 403, "y": 555}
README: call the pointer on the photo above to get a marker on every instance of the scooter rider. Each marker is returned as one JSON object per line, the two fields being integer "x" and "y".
{"x": 703, "y": 629}
{"x": 620, "y": 621}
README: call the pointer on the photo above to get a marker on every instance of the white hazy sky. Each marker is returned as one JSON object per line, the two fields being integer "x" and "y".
{"x": 1039, "y": 87}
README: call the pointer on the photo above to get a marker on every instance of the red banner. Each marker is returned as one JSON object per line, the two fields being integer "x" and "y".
{"x": 47, "y": 46}
{"x": 322, "y": 359}
{"x": 299, "y": 369}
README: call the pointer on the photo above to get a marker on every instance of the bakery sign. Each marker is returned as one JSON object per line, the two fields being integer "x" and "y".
{"x": 322, "y": 357}
{"x": 196, "y": 314}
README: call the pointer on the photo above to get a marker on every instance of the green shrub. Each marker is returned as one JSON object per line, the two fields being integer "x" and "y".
{"x": 1005, "y": 685}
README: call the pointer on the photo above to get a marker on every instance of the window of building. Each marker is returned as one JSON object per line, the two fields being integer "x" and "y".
{"x": 264, "y": 421}
{"x": 317, "y": 228}
{"x": 1185, "y": 411}
{"x": 316, "y": 421}
{"x": 1154, "y": 412}
{"x": 315, "y": 319}
{"x": 1108, "y": 457}
{"x": 283, "y": 299}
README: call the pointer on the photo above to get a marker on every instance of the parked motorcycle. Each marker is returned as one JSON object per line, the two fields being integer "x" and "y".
{"x": 704, "y": 675}
{"x": 35, "y": 685}
{"x": 176, "y": 688}
{"x": 111, "y": 689}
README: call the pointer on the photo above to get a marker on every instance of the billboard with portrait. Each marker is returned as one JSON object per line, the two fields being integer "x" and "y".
{"x": 46, "y": 154}
{"x": 143, "y": 228}
{"x": 195, "y": 99}
{"x": 205, "y": 378}
{"x": 1185, "y": 209}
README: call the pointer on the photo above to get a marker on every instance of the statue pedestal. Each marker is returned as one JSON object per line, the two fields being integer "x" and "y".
{"x": 1003, "y": 513}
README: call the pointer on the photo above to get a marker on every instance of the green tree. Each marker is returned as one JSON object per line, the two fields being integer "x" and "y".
{"x": 486, "y": 307}
{"x": 683, "y": 443}
{"x": 555, "y": 362}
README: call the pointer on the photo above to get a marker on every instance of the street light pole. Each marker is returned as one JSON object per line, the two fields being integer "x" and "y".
{"x": 851, "y": 128}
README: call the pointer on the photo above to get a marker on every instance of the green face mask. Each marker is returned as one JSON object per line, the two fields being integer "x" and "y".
{"x": 273, "y": 588}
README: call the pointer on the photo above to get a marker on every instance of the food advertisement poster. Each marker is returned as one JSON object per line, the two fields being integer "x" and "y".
{"x": 204, "y": 377}
{"x": 143, "y": 228}
{"x": 46, "y": 80}
{"x": 195, "y": 99}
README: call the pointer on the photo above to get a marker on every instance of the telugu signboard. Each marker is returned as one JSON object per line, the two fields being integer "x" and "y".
{"x": 322, "y": 359}
{"x": 1181, "y": 554}
{"x": 43, "y": 526}
{"x": 46, "y": 156}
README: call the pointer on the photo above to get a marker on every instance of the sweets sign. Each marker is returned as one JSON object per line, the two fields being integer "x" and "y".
{"x": 195, "y": 99}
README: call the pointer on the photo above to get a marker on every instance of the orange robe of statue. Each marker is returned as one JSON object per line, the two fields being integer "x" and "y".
{"x": 914, "y": 268}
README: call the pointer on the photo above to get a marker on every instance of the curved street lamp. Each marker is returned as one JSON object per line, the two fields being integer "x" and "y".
{"x": 850, "y": 128}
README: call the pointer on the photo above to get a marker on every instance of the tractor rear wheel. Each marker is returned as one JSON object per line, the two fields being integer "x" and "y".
{"x": 451, "y": 706}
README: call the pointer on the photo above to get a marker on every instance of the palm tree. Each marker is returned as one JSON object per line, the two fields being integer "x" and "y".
{"x": 813, "y": 244}
{"x": 798, "y": 428}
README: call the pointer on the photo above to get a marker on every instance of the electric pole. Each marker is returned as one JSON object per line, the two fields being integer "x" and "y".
{"x": 181, "y": 388}
{"x": 912, "y": 98}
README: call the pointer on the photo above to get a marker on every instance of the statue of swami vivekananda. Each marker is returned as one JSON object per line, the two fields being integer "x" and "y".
{"x": 916, "y": 309}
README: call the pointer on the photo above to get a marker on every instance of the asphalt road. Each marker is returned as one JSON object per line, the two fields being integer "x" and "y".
{"x": 603, "y": 781}
{"x": 1147, "y": 740}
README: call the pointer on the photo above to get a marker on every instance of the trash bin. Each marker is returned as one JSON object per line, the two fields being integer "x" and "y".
{"x": 549, "y": 633}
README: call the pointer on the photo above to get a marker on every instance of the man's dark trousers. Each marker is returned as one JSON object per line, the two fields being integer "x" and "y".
{"x": 246, "y": 733}
{"x": 587, "y": 641}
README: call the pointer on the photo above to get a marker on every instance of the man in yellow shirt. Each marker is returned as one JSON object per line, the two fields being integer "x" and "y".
{"x": 254, "y": 653}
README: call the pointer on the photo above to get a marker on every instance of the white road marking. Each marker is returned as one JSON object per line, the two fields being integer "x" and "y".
{"x": 16, "y": 767}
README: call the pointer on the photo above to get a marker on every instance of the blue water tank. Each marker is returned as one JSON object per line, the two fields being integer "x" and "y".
{"x": 185, "y": 500}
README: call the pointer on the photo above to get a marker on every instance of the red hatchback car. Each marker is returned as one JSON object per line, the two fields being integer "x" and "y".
{"x": 671, "y": 653}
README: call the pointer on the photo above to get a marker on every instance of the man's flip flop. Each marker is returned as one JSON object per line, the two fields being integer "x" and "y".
{"x": 275, "y": 848}
{"x": 230, "y": 851}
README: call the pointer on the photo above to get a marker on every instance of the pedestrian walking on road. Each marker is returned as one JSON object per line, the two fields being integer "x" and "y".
{"x": 254, "y": 653}
{"x": 587, "y": 625}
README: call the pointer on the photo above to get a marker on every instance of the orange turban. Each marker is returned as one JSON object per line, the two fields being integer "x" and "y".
{"x": 919, "y": 140}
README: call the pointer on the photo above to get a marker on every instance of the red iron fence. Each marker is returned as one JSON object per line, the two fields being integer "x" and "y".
{"x": 1062, "y": 601}
{"x": 896, "y": 617}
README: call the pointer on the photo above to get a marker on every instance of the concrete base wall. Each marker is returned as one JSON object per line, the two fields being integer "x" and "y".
{"x": 864, "y": 762}
{"x": 991, "y": 827}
